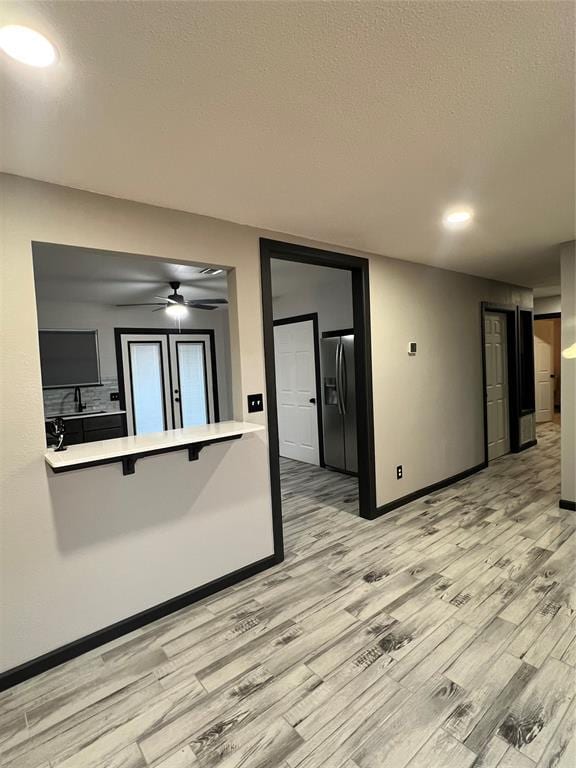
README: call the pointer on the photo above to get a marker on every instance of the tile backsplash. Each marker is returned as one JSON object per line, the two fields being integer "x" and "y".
{"x": 61, "y": 401}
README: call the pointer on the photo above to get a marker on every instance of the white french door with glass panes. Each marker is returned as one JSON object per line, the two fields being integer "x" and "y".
{"x": 168, "y": 381}
{"x": 191, "y": 374}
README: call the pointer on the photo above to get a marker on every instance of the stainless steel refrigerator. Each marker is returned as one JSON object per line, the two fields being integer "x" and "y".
{"x": 339, "y": 402}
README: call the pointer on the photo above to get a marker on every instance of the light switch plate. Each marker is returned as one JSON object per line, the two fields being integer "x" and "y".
{"x": 255, "y": 403}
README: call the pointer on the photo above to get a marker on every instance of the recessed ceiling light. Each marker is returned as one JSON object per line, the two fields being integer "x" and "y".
{"x": 27, "y": 46}
{"x": 456, "y": 218}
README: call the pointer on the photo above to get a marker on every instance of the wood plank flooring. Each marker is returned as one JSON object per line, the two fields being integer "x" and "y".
{"x": 440, "y": 636}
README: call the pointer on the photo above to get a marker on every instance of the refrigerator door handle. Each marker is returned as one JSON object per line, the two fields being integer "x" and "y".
{"x": 338, "y": 377}
{"x": 343, "y": 379}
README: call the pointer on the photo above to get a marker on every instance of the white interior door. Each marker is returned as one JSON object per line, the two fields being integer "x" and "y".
{"x": 145, "y": 367}
{"x": 496, "y": 351}
{"x": 296, "y": 391}
{"x": 543, "y": 370}
{"x": 192, "y": 381}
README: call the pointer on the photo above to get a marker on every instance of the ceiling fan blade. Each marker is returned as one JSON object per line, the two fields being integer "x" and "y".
{"x": 147, "y": 304}
{"x": 203, "y": 306}
{"x": 166, "y": 298}
{"x": 195, "y": 302}
{"x": 160, "y": 309}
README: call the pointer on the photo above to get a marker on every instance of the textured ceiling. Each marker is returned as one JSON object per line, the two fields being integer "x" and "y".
{"x": 351, "y": 123}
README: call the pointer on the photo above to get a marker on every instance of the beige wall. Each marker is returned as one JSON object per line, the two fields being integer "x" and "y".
{"x": 428, "y": 409}
{"x": 83, "y": 550}
{"x": 568, "y": 395}
{"x": 546, "y": 305}
{"x": 331, "y": 297}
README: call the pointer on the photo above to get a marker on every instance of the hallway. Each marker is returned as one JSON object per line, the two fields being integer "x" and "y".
{"x": 440, "y": 636}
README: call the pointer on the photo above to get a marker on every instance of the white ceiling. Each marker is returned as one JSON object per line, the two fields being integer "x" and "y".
{"x": 354, "y": 123}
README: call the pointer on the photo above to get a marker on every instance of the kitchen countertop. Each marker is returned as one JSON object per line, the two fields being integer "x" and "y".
{"x": 119, "y": 448}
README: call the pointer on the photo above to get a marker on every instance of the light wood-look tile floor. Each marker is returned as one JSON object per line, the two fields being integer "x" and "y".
{"x": 440, "y": 636}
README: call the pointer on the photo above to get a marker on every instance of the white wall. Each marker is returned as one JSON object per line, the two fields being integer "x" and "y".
{"x": 83, "y": 550}
{"x": 305, "y": 288}
{"x": 546, "y": 305}
{"x": 105, "y": 318}
{"x": 568, "y": 394}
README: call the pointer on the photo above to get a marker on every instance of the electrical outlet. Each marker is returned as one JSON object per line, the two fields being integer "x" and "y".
{"x": 399, "y": 472}
{"x": 255, "y": 403}
{"x": 114, "y": 396}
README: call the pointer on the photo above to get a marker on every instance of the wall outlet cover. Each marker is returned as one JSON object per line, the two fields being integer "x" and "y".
{"x": 255, "y": 403}
{"x": 399, "y": 472}
{"x": 114, "y": 396}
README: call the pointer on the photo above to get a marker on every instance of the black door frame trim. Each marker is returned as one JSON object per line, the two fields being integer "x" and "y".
{"x": 548, "y": 316}
{"x": 313, "y": 318}
{"x": 359, "y": 268}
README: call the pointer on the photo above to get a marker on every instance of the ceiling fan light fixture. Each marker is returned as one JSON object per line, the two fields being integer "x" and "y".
{"x": 176, "y": 311}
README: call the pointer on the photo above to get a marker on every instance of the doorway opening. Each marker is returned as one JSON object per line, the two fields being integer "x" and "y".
{"x": 318, "y": 377}
{"x": 547, "y": 366}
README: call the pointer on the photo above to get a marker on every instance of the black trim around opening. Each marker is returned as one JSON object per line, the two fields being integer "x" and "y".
{"x": 313, "y": 318}
{"x": 548, "y": 316}
{"x": 359, "y": 268}
{"x": 335, "y": 334}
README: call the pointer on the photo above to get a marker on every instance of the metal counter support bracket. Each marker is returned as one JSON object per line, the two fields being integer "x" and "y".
{"x": 128, "y": 465}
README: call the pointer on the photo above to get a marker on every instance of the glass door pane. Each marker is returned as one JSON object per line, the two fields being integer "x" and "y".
{"x": 193, "y": 385}
{"x": 147, "y": 387}
{"x": 192, "y": 380}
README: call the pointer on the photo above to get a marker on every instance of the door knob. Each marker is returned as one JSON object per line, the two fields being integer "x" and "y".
{"x": 313, "y": 400}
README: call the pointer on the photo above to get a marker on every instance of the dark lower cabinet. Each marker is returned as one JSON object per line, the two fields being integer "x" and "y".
{"x": 93, "y": 428}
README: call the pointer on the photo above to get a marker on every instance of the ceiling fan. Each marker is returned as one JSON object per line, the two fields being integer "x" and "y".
{"x": 175, "y": 304}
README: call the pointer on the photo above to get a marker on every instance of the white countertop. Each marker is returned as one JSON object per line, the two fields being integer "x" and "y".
{"x": 106, "y": 450}
{"x": 82, "y": 415}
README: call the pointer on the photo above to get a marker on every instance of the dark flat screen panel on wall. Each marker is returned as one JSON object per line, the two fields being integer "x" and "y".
{"x": 69, "y": 358}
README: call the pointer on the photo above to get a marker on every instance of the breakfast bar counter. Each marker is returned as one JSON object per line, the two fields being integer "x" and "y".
{"x": 127, "y": 450}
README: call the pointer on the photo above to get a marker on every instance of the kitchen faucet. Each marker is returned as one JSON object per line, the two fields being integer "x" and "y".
{"x": 78, "y": 400}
